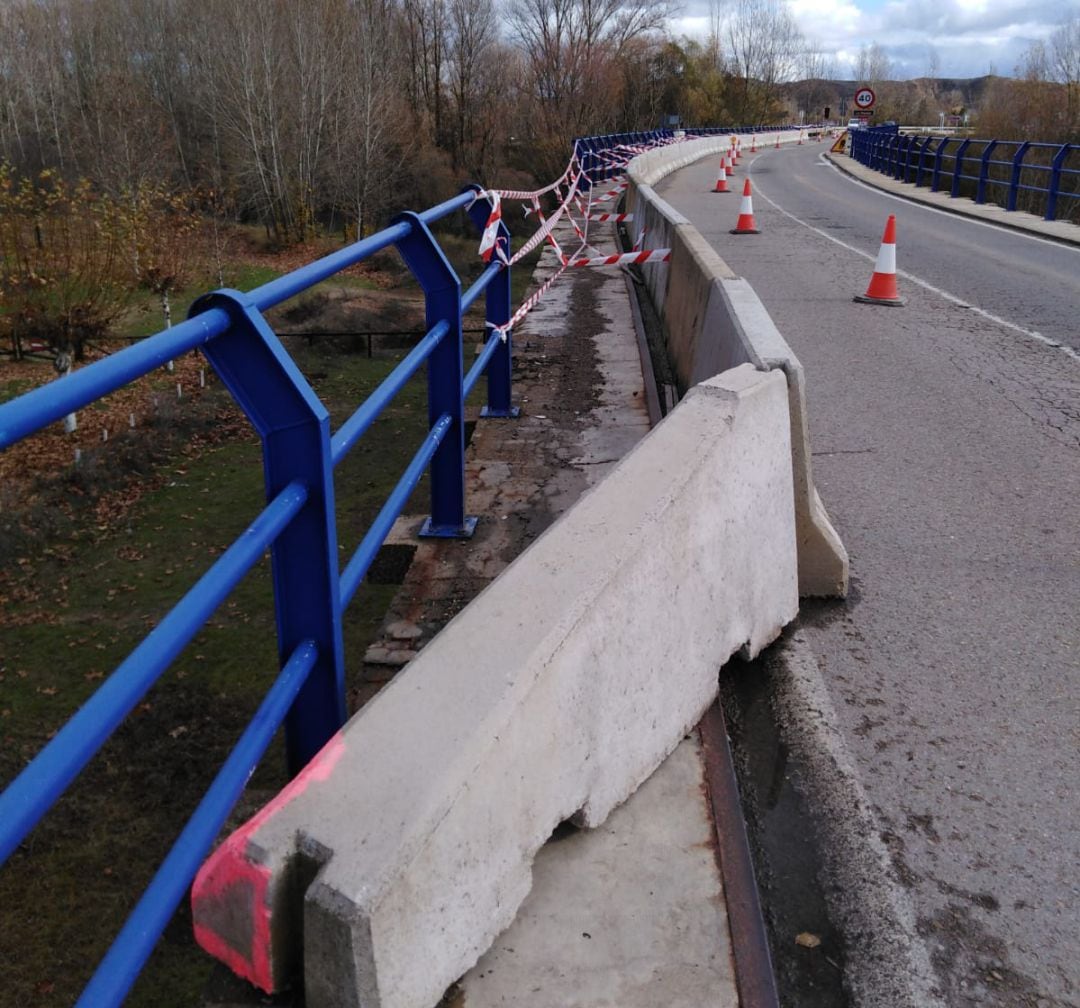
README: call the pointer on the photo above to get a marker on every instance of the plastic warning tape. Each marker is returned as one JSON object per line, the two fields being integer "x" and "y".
{"x": 626, "y": 258}
{"x": 529, "y": 303}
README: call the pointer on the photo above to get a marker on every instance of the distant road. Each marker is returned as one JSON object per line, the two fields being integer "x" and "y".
{"x": 946, "y": 439}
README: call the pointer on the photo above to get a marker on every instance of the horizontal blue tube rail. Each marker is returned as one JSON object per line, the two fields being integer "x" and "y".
{"x": 128, "y": 954}
{"x": 361, "y": 560}
{"x": 997, "y": 171}
{"x": 298, "y": 526}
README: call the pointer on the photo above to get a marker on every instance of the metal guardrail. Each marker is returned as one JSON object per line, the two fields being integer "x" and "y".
{"x": 297, "y": 525}
{"x": 590, "y": 150}
{"x": 968, "y": 167}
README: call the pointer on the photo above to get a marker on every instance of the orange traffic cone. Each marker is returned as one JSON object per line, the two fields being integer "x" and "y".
{"x": 753, "y": 143}
{"x": 882, "y": 289}
{"x": 800, "y": 138}
{"x": 745, "y": 223}
{"x": 729, "y": 164}
{"x": 721, "y": 179}
{"x": 777, "y": 139}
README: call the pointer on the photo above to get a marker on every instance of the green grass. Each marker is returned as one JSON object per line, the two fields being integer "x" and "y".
{"x": 72, "y": 616}
{"x": 15, "y": 387}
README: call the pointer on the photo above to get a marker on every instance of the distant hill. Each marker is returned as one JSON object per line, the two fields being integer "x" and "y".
{"x": 918, "y": 101}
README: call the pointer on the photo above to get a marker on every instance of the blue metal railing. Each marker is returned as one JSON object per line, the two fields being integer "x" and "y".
{"x": 590, "y": 150}
{"x": 1048, "y": 173}
{"x": 297, "y": 525}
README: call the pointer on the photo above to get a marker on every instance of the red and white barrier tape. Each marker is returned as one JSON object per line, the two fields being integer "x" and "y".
{"x": 616, "y": 160}
{"x": 626, "y": 258}
{"x": 490, "y": 238}
{"x": 528, "y": 304}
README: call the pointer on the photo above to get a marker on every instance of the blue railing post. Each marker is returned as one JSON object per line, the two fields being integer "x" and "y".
{"x": 939, "y": 156}
{"x": 958, "y": 166}
{"x": 1014, "y": 181}
{"x": 497, "y": 301}
{"x": 295, "y": 430}
{"x": 911, "y": 146}
{"x": 922, "y": 159}
{"x": 984, "y": 171}
{"x": 1055, "y": 181}
{"x": 442, "y": 301}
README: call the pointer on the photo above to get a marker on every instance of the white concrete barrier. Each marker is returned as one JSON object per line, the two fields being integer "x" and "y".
{"x": 713, "y": 320}
{"x": 406, "y": 846}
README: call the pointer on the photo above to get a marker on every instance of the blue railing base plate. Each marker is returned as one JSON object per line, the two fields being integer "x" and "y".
{"x": 487, "y": 413}
{"x": 429, "y": 530}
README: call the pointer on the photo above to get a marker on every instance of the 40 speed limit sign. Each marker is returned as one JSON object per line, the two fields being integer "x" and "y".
{"x": 865, "y": 97}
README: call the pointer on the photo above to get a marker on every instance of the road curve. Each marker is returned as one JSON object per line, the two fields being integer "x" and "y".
{"x": 946, "y": 439}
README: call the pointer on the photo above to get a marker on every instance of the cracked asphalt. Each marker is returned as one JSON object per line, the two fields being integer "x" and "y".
{"x": 946, "y": 443}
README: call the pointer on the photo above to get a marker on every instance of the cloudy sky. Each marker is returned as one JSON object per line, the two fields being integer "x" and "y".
{"x": 970, "y": 37}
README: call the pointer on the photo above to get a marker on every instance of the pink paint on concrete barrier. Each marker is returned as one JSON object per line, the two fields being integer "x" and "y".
{"x": 229, "y": 872}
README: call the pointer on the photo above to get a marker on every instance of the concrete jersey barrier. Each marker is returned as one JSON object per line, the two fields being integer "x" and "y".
{"x": 406, "y": 846}
{"x": 713, "y": 320}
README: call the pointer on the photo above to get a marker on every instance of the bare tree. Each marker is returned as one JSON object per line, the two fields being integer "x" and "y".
{"x": 764, "y": 44}
{"x": 572, "y": 49}
{"x": 1065, "y": 67}
{"x": 472, "y": 39}
{"x": 367, "y": 124}
{"x": 426, "y": 29}
{"x": 872, "y": 64}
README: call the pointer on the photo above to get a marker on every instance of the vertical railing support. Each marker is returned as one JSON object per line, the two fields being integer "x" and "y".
{"x": 497, "y": 301}
{"x": 1055, "y": 180}
{"x": 958, "y": 166}
{"x": 984, "y": 171}
{"x": 295, "y": 430}
{"x": 919, "y": 168}
{"x": 911, "y": 146}
{"x": 939, "y": 156}
{"x": 1014, "y": 180}
{"x": 442, "y": 302}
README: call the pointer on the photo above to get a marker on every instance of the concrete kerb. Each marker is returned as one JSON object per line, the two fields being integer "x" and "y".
{"x": 551, "y": 696}
{"x": 889, "y": 967}
{"x": 713, "y": 320}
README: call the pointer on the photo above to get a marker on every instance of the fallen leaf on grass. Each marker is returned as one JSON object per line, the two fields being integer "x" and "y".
{"x": 807, "y": 940}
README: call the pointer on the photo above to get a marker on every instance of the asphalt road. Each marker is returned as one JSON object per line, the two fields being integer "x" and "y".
{"x": 946, "y": 443}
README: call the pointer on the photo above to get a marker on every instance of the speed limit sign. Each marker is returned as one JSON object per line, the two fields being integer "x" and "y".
{"x": 865, "y": 97}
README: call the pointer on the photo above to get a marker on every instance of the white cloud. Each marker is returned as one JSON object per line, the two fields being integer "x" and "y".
{"x": 969, "y": 36}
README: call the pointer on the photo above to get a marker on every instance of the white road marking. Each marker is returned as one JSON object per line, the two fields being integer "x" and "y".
{"x": 926, "y": 285}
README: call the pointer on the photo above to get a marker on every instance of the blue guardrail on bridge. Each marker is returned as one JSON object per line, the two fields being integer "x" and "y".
{"x": 1047, "y": 174}
{"x": 297, "y": 525}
